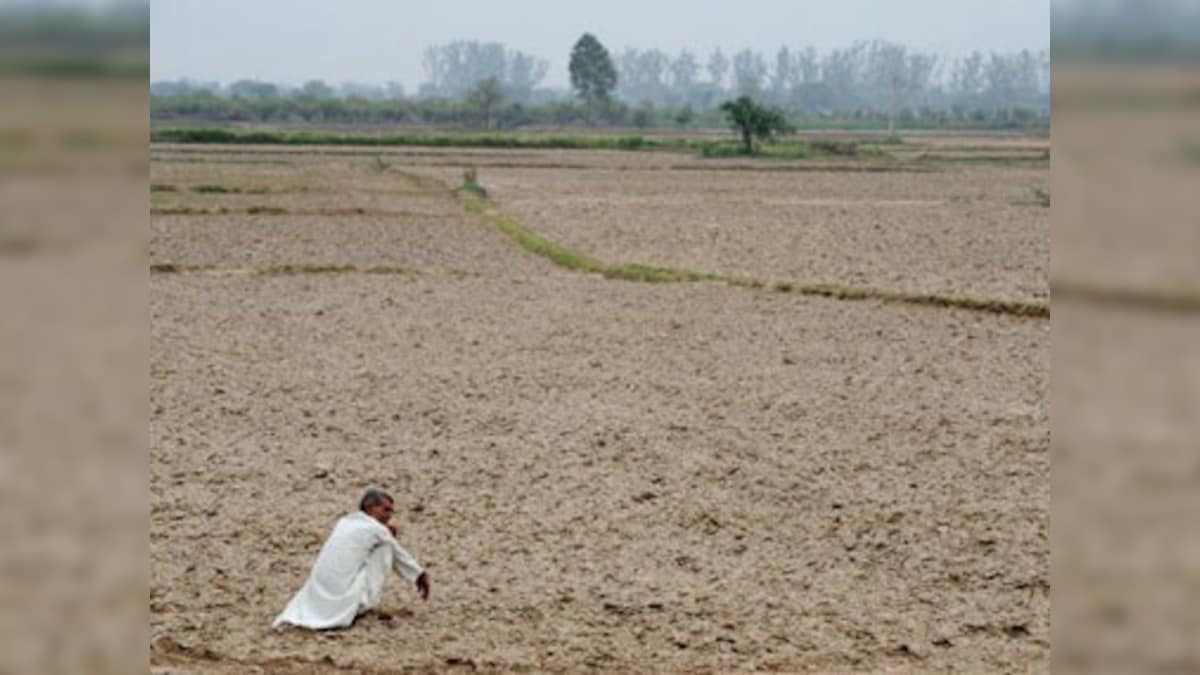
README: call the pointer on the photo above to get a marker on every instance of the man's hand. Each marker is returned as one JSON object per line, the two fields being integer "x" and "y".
{"x": 423, "y": 585}
{"x": 391, "y": 528}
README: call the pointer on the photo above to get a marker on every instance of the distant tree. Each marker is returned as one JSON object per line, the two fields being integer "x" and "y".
{"x": 253, "y": 89}
{"x": 784, "y": 75}
{"x": 685, "y": 116}
{"x": 486, "y": 98}
{"x": 718, "y": 66}
{"x": 394, "y": 91}
{"x": 807, "y": 64}
{"x": 454, "y": 69}
{"x": 683, "y": 74}
{"x": 749, "y": 70}
{"x": 966, "y": 81}
{"x": 643, "y": 115}
{"x": 642, "y": 75}
{"x": 317, "y": 90}
{"x": 593, "y": 75}
{"x": 895, "y": 75}
{"x": 754, "y": 121}
{"x": 524, "y": 73}
{"x": 183, "y": 87}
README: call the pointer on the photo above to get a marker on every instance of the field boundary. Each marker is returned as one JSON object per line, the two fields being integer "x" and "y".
{"x": 264, "y": 210}
{"x": 1147, "y": 299}
{"x": 714, "y": 148}
{"x": 535, "y": 243}
{"x": 296, "y": 269}
{"x": 167, "y": 654}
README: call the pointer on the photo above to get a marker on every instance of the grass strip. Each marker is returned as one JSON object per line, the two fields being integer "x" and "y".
{"x": 290, "y": 269}
{"x": 1181, "y": 301}
{"x": 717, "y": 148}
{"x": 535, "y": 243}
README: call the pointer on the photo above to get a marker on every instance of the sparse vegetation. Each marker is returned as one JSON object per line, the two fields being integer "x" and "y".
{"x": 574, "y": 260}
{"x": 160, "y": 187}
{"x": 288, "y": 269}
{"x": 1041, "y": 196}
{"x": 470, "y": 184}
{"x": 211, "y": 189}
{"x": 266, "y": 210}
{"x": 780, "y": 149}
{"x": 223, "y": 189}
{"x": 755, "y": 122}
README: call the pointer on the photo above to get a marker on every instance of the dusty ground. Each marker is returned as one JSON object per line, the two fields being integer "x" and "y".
{"x": 596, "y": 473}
{"x": 974, "y": 232}
{"x": 951, "y": 227}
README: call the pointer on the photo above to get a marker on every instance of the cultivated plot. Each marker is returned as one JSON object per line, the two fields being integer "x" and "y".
{"x": 596, "y": 472}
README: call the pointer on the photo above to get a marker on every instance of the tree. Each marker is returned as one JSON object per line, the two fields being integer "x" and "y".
{"x": 253, "y": 89}
{"x": 749, "y": 70}
{"x": 486, "y": 97}
{"x": 643, "y": 115}
{"x": 525, "y": 73}
{"x": 683, "y": 74}
{"x": 966, "y": 82}
{"x": 754, "y": 121}
{"x": 718, "y": 66}
{"x": 593, "y": 75}
{"x": 685, "y": 116}
{"x": 642, "y": 76}
{"x": 895, "y": 75}
{"x": 317, "y": 90}
{"x": 785, "y": 74}
{"x": 454, "y": 69}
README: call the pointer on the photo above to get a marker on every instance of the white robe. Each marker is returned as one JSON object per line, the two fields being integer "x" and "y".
{"x": 347, "y": 578}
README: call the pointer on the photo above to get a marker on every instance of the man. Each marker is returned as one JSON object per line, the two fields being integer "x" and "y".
{"x": 347, "y": 578}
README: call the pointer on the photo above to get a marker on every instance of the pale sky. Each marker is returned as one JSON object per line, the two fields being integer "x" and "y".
{"x": 375, "y": 41}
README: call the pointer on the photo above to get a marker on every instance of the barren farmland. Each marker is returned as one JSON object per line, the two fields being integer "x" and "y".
{"x": 599, "y": 473}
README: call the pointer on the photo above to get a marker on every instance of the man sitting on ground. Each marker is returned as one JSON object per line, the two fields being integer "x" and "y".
{"x": 347, "y": 578}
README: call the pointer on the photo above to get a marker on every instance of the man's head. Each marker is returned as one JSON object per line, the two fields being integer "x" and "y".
{"x": 377, "y": 504}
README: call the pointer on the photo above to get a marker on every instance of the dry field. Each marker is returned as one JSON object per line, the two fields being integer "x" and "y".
{"x": 600, "y": 473}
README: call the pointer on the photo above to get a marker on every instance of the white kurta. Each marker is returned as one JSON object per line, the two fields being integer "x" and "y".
{"x": 347, "y": 578}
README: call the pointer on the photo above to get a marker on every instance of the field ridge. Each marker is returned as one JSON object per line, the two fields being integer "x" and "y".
{"x": 535, "y": 243}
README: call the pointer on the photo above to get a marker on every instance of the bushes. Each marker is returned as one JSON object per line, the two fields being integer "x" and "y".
{"x": 228, "y": 136}
{"x": 842, "y": 148}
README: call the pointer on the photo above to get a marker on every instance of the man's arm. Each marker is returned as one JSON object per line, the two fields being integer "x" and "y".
{"x": 407, "y": 566}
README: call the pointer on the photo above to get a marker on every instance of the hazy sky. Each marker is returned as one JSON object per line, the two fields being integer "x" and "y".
{"x": 375, "y": 41}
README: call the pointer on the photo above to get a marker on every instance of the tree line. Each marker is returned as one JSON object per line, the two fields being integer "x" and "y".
{"x": 486, "y": 84}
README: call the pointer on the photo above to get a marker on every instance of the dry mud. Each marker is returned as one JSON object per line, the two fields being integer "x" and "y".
{"x": 597, "y": 473}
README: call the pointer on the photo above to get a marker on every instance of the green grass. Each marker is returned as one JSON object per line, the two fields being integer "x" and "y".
{"x": 536, "y": 244}
{"x": 212, "y": 189}
{"x": 73, "y": 67}
{"x": 160, "y": 187}
{"x": 474, "y": 189}
{"x": 223, "y": 190}
{"x": 192, "y": 211}
{"x": 1174, "y": 300}
{"x": 288, "y": 269}
{"x": 994, "y": 159}
{"x": 184, "y": 211}
{"x": 574, "y": 260}
{"x": 779, "y": 149}
{"x": 268, "y": 137}
{"x": 1042, "y": 197}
